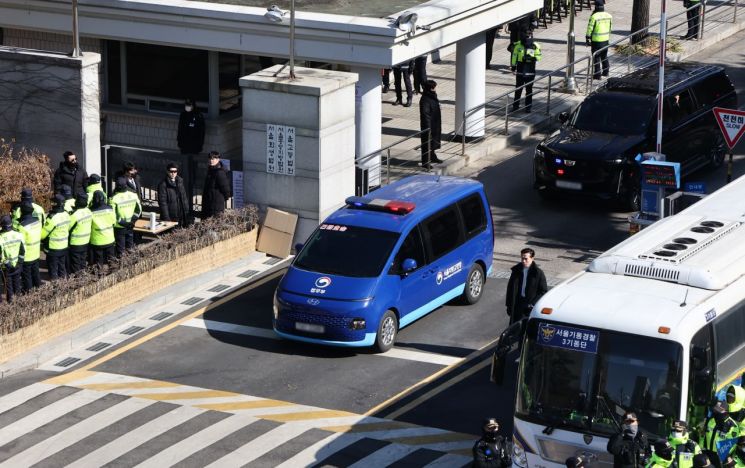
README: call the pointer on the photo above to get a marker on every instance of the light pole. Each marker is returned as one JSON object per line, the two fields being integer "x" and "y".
{"x": 292, "y": 39}
{"x": 570, "y": 85}
{"x": 661, "y": 81}
{"x": 75, "y": 34}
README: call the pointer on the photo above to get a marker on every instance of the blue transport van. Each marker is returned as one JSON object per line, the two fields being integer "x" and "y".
{"x": 386, "y": 259}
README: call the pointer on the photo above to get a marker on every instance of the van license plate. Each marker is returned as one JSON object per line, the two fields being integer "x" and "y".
{"x": 568, "y": 184}
{"x": 309, "y": 327}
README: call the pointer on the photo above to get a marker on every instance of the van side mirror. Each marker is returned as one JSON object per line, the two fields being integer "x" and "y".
{"x": 298, "y": 247}
{"x": 703, "y": 387}
{"x": 408, "y": 265}
{"x": 510, "y": 339}
{"x": 563, "y": 117}
{"x": 699, "y": 357}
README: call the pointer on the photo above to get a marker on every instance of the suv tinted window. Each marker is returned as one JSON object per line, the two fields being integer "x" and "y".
{"x": 412, "y": 247}
{"x": 443, "y": 232}
{"x": 712, "y": 89}
{"x": 599, "y": 113}
{"x": 474, "y": 217}
{"x": 678, "y": 107}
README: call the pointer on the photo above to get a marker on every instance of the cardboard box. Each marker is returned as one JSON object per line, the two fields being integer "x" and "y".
{"x": 277, "y": 232}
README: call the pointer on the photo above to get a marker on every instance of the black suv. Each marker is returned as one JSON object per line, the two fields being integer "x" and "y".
{"x": 593, "y": 152}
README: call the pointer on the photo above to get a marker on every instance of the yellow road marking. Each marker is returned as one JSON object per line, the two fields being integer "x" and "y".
{"x": 444, "y": 386}
{"x": 176, "y": 323}
{"x": 65, "y": 379}
{"x": 187, "y": 395}
{"x": 128, "y": 385}
{"x": 240, "y": 405}
{"x": 431, "y": 439}
{"x": 427, "y": 380}
{"x": 369, "y": 427}
{"x": 304, "y": 415}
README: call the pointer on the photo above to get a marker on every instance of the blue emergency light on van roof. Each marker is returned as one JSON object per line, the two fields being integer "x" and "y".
{"x": 379, "y": 204}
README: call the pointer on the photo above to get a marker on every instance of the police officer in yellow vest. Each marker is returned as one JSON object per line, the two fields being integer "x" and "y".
{"x": 736, "y": 406}
{"x": 57, "y": 229}
{"x": 30, "y": 227}
{"x": 102, "y": 230}
{"x": 738, "y": 452}
{"x": 525, "y": 54}
{"x": 12, "y": 250}
{"x": 662, "y": 456}
{"x": 80, "y": 233}
{"x": 27, "y": 197}
{"x": 598, "y": 35}
{"x": 685, "y": 448}
{"x": 127, "y": 208}
{"x": 694, "y": 8}
{"x": 721, "y": 432}
{"x": 94, "y": 185}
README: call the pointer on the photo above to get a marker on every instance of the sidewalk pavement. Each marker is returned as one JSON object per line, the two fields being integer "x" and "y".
{"x": 400, "y": 122}
{"x": 107, "y": 332}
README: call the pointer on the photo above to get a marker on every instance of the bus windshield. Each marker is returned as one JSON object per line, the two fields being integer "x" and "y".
{"x": 583, "y": 378}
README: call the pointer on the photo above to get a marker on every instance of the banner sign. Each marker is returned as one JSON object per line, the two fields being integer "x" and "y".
{"x": 561, "y": 336}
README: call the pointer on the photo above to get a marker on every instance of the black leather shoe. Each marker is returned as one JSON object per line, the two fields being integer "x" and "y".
{"x": 386, "y": 89}
{"x": 427, "y": 166}
{"x": 398, "y": 102}
{"x": 437, "y": 160}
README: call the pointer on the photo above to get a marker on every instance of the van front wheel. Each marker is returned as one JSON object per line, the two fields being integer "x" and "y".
{"x": 474, "y": 284}
{"x": 387, "y": 331}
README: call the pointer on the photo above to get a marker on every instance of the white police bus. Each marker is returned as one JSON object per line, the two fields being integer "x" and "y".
{"x": 656, "y": 325}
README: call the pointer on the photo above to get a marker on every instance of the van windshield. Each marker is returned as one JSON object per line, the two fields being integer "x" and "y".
{"x": 347, "y": 251}
{"x": 617, "y": 113}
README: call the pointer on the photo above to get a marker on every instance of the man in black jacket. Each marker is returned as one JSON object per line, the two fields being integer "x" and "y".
{"x": 172, "y": 199}
{"x": 190, "y": 129}
{"x": 630, "y": 447}
{"x": 216, "y": 187}
{"x": 430, "y": 118}
{"x": 526, "y": 285}
{"x": 71, "y": 174}
{"x": 491, "y": 450}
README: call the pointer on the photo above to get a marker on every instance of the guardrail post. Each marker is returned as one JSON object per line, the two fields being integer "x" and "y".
{"x": 463, "y": 135}
{"x": 588, "y": 81}
{"x": 506, "y": 114}
{"x": 701, "y": 19}
{"x": 734, "y": 17}
{"x": 388, "y": 167}
{"x": 548, "y": 98}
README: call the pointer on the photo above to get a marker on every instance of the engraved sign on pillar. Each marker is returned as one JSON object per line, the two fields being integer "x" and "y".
{"x": 280, "y": 149}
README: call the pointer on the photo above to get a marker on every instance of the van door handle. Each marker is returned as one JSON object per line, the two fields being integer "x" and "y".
{"x": 429, "y": 272}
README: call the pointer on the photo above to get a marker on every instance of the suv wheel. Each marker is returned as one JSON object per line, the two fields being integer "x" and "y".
{"x": 633, "y": 199}
{"x": 717, "y": 152}
{"x": 387, "y": 331}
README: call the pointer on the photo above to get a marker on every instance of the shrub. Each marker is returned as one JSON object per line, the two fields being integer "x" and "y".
{"x": 23, "y": 168}
{"x": 54, "y": 296}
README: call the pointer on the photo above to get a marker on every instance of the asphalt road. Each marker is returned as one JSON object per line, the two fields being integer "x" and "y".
{"x": 215, "y": 386}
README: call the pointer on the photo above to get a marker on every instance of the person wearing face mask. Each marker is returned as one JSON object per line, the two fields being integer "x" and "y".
{"x": 736, "y": 405}
{"x": 720, "y": 430}
{"x": 190, "y": 129}
{"x": 662, "y": 456}
{"x": 216, "y": 189}
{"x": 172, "y": 199}
{"x": 490, "y": 450}
{"x": 685, "y": 448}
{"x": 630, "y": 448}
{"x": 71, "y": 174}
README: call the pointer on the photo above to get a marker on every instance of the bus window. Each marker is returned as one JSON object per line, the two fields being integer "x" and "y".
{"x": 730, "y": 347}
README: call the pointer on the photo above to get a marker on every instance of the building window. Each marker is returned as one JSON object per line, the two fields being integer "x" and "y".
{"x": 229, "y": 66}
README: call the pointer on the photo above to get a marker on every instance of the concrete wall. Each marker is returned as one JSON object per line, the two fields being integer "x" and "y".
{"x": 51, "y": 102}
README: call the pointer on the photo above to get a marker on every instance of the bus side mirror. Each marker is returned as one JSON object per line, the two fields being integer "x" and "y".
{"x": 563, "y": 117}
{"x": 509, "y": 340}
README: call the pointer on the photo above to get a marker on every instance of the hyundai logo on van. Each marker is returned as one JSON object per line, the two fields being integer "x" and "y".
{"x": 321, "y": 284}
{"x": 313, "y": 301}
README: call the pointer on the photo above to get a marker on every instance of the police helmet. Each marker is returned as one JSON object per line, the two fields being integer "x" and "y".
{"x": 663, "y": 449}
{"x": 701, "y": 461}
{"x": 490, "y": 425}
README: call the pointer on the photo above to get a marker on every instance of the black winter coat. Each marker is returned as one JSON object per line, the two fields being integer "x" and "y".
{"x": 430, "y": 118}
{"x": 490, "y": 454}
{"x": 74, "y": 177}
{"x": 134, "y": 186}
{"x": 190, "y": 132}
{"x": 535, "y": 288}
{"x": 216, "y": 191}
{"x": 629, "y": 453}
{"x": 173, "y": 202}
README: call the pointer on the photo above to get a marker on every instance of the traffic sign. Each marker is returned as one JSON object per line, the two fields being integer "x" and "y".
{"x": 732, "y": 124}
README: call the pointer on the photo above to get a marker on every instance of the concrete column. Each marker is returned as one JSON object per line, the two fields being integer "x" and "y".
{"x": 368, "y": 120}
{"x": 470, "y": 84}
{"x": 322, "y": 116}
{"x": 50, "y": 102}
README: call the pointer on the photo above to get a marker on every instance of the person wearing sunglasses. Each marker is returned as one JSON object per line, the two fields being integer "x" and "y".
{"x": 172, "y": 199}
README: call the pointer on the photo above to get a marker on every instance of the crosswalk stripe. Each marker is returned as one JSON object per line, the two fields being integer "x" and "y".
{"x": 242, "y": 405}
{"x": 47, "y": 414}
{"x": 257, "y": 447}
{"x": 384, "y": 456}
{"x": 69, "y": 377}
{"x": 304, "y": 415}
{"x": 432, "y": 358}
{"x": 75, "y": 433}
{"x": 213, "y": 325}
{"x": 211, "y": 434}
{"x": 133, "y": 439}
{"x": 320, "y": 450}
{"x": 189, "y": 395}
{"x": 107, "y": 387}
{"x": 369, "y": 427}
{"x": 434, "y": 438}
{"x": 22, "y": 395}
{"x": 449, "y": 461}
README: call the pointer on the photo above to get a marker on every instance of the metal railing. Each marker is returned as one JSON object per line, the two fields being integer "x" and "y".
{"x": 368, "y": 162}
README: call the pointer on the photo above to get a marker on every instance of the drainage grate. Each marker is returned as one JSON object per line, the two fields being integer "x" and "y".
{"x": 273, "y": 261}
{"x": 192, "y": 301}
{"x": 218, "y": 288}
{"x": 98, "y": 346}
{"x": 160, "y": 316}
{"x": 132, "y": 330}
{"x": 248, "y": 273}
{"x": 67, "y": 362}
